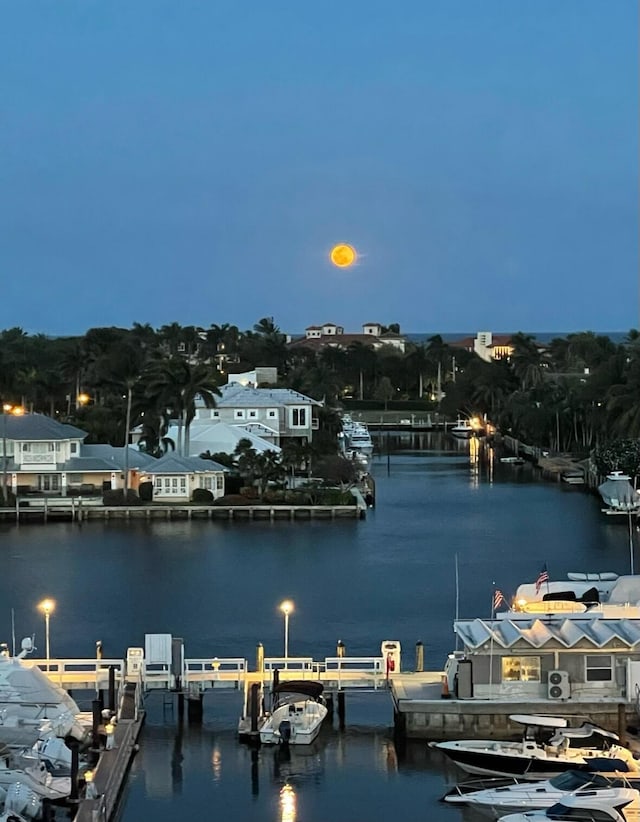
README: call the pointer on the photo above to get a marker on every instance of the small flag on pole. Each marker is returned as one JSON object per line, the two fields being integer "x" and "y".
{"x": 543, "y": 577}
{"x": 498, "y": 599}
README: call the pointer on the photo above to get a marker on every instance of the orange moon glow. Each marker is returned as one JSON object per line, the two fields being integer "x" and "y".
{"x": 343, "y": 255}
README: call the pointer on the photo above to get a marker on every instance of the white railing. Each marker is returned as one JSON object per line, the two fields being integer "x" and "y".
{"x": 97, "y": 667}
{"x": 38, "y": 459}
{"x": 347, "y": 668}
{"x": 216, "y": 667}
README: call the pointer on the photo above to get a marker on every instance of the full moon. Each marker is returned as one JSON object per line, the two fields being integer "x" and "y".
{"x": 343, "y": 255}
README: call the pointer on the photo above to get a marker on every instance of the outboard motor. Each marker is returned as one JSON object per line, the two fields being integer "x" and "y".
{"x": 284, "y": 729}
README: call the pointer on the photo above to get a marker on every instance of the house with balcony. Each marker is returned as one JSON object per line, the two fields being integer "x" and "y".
{"x": 41, "y": 455}
{"x": 275, "y": 415}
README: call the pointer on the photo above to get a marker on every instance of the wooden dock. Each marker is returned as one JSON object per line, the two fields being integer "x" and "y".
{"x": 55, "y": 509}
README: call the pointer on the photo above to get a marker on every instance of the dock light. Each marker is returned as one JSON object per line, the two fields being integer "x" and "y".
{"x": 521, "y": 603}
{"x": 47, "y": 606}
{"x": 287, "y": 608}
{"x": 91, "y": 792}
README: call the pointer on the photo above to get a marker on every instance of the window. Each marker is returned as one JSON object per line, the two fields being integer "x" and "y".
{"x": 215, "y": 414}
{"x": 74, "y": 447}
{"x": 521, "y": 669}
{"x": 238, "y": 414}
{"x": 298, "y": 417}
{"x": 598, "y": 668}
{"x": 220, "y": 483}
{"x": 252, "y": 414}
{"x": 272, "y": 413}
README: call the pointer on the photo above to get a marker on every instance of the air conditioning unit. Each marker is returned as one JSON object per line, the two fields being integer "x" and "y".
{"x": 558, "y": 686}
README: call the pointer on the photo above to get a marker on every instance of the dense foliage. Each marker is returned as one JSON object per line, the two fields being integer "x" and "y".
{"x": 577, "y": 393}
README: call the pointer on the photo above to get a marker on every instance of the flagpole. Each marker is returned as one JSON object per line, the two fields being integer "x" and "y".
{"x": 493, "y": 598}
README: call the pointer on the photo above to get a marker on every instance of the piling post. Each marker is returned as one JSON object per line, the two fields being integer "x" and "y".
{"x": 112, "y": 689}
{"x": 195, "y": 708}
{"x": 73, "y": 745}
{"x": 254, "y": 707}
{"x": 622, "y": 723}
{"x": 341, "y": 709}
{"x": 98, "y": 649}
{"x": 419, "y": 657}
{"x": 341, "y": 649}
{"x": 96, "y": 713}
{"x": 260, "y": 657}
{"x": 180, "y": 706}
{"x": 329, "y": 703}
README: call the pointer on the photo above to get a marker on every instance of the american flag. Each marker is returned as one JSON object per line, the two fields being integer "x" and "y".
{"x": 498, "y": 599}
{"x": 543, "y": 576}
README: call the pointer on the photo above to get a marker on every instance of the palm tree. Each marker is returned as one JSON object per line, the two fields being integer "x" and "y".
{"x": 528, "y": 361}
{"x": 174, "y": 385}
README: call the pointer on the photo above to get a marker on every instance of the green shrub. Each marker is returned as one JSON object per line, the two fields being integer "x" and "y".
{"x": 113, "y": 497}
{"x": 202, "y": 496}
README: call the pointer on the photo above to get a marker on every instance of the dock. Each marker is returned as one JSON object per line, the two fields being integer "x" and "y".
{"x": 36, "y": 509}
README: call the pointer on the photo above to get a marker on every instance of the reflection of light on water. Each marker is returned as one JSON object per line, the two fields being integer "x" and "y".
{"x": 216, "y": 764}
{"x": 287, "y": 804}
{"x": 474, "y": 457}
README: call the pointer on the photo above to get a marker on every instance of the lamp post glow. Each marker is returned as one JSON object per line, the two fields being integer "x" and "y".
{"x": 47, "y": 606}
{"x": 286, "y": 607}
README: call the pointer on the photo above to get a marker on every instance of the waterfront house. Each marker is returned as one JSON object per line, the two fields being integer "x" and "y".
{"x": 276, "y": 415}
{"x": 175, "y": 478}
{"x": 48, "y": 457}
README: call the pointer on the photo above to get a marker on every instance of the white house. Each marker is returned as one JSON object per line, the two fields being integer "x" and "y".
{"x": 41, "y": 455}
{"x": 277, "y": 415}
{"x": 176, "y": 478}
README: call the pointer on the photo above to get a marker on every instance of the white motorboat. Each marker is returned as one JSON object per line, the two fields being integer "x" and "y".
{"x": 586, "y": 806}
{"x": 525, "y": 795}
{"x": 297, "y": 714}
{"x": 465, "y": 428}
{"x": 35, "y": 777}
{"x": 548, "y": 747}
{"x": 33, "y": 707}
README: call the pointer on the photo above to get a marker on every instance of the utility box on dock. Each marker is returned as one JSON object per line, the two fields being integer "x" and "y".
{"x": 135, "y": 661}
{"x": 391, "y": 656}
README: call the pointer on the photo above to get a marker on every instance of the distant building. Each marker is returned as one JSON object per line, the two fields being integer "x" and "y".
{"x": 319, "y": 336}
{"x": 487, "y": 346}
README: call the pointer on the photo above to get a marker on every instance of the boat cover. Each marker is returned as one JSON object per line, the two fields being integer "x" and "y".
{"x": 604, "y": 764}
{"x": 620, "y": 494}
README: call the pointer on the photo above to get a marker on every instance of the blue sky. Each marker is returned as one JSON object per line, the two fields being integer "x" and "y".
{"x": 194, "y": 162}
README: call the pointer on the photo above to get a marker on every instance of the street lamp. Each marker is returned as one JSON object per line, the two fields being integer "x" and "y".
{"x": 286, "y": 607}
{"x": 47, "y": 606}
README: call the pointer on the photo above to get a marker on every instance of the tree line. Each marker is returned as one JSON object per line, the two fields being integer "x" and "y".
{"x": 577, "y": 393}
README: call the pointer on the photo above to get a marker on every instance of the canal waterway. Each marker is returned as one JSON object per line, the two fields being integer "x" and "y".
{"x": 218, "y": 585}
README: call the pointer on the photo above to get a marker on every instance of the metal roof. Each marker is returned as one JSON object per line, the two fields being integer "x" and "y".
{"x": 505, "y": 633}
{"x": 235, "y": 395}
{"x": 172, "y": 464}
{"x": 39, "y": 427}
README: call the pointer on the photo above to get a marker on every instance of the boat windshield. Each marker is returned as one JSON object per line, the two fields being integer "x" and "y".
{"x": 572, "y": 780}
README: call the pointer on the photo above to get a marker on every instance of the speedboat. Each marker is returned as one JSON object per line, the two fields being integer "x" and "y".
{"x": 548, "y": 747}
{"x": 465, "y": 428}
{"x": 586, "y": 806}
{"x": 536, "y": 795}
{"x": 298, "y": 713}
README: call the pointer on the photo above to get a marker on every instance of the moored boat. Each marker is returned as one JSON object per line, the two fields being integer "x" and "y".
{"x": 585, "y": 806}
{"x": 601, "y": 776}
{"x": 297, "y": 714}
{"x": 548, "y": 747}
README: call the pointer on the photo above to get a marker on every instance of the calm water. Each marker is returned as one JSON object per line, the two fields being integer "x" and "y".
{"x": 217, "y": 585}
